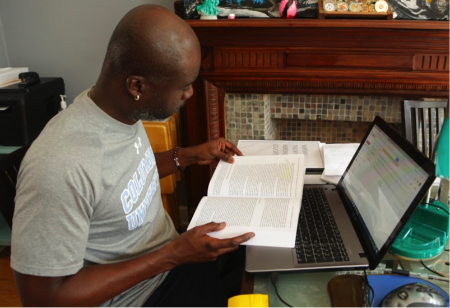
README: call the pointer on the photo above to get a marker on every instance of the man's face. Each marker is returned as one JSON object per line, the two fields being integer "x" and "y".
{"x": 169, "y": 98}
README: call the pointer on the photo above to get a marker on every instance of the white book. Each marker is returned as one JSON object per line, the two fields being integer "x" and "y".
{"x": 260, "y": 194}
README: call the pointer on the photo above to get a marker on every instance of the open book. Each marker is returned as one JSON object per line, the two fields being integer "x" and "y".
{"x": 260, "y": 194}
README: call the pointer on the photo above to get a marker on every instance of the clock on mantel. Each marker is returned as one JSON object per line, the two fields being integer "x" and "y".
{"x": 407, "y": 58}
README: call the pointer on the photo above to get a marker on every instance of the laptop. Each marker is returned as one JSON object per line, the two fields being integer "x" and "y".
{"x": 352, "y": 225}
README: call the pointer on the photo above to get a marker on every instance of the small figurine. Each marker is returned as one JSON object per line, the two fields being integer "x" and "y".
{"x": 288, "y": 8}
{"x": 208, "y": 9}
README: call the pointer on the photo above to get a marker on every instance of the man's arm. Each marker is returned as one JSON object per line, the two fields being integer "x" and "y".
{"x": 202, "y": 154}
{"x": 93, "y": 285}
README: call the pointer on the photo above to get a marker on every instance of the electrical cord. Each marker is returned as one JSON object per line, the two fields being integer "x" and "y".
{"x": 423, "y": 264}
{"x": 371, "y": 289}
{"x": 274, "y": 279}
{"x": 445, "y": 262}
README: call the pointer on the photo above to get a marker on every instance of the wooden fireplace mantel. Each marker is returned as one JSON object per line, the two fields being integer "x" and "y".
{"x": 308, "y": 56}
{"x": 360, "y": 57}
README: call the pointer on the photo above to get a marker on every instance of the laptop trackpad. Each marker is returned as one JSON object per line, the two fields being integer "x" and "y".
{"x": 263, "y": 259}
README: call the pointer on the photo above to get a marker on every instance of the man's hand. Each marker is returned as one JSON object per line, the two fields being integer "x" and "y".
{"x": 196, "y": 246}
{"x": 82, "y": 288}
{"x": 203, "y": 154}
{"x": 208, "y": 152}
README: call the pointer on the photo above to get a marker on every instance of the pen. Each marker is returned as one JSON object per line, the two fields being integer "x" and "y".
{"x": 411, "y": 274}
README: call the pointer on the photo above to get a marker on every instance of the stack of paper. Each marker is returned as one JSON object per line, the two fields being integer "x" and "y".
{"x": 10, "y": 75}
{"x": 336, "y": 159}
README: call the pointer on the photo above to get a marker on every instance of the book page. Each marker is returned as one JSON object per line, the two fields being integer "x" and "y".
{"x": 273, "y": 220}
{"x": 259, "y": 176}
{"x": 311, "y": 149}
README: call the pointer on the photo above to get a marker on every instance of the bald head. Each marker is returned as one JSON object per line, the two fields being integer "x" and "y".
{"x": 149, "y": 41}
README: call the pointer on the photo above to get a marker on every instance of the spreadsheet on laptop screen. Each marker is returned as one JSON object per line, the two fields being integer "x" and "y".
{"x": 381, "y": 184}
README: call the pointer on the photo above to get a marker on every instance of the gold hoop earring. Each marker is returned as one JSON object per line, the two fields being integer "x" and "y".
{"x": 137, "y": 97}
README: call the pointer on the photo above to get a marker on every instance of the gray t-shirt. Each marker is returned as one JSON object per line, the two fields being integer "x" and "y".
{"x": 88, "y": 192}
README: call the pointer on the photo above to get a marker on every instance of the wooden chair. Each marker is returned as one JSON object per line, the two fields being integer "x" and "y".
{"x": 9, "y": 168}
{"x": 163, "y": 137}
{"x": 422, "y": 122}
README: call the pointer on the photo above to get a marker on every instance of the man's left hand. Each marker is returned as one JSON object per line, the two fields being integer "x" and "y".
{"x": 209, "y": 152}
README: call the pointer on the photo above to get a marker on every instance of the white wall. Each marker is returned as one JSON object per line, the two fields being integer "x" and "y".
{"x": 62, "y": 38}
{"x": 4, "y": 61}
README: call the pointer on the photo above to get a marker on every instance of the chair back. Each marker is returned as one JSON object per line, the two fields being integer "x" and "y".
{"x": 9, "y": 168}
{"x": 422, "y": 121}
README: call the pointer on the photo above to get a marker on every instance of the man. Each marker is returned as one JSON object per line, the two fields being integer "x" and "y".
{"x": 89, "y": 226}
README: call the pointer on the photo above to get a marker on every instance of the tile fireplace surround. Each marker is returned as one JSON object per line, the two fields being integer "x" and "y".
{"x": 325, "y": 118}
{"x": 341, "y": 63}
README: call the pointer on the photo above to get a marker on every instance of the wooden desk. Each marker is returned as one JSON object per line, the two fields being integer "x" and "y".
{"x": 310, "y": 289}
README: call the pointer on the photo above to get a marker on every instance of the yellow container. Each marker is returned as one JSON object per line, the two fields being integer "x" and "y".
{"x": 249, "y": 300}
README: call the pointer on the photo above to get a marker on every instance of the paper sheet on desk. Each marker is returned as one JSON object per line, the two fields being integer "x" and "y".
{"x": 337, "y": 157}
{"x": 328, "y": 179}
{"x": 10, "y": 75}
{"x": 337, "y": 171}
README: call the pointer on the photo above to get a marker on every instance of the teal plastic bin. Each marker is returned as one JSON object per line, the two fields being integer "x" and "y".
{"x": 425, "y": 235}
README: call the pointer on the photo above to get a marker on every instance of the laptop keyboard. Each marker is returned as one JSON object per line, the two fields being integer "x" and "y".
{"x": 318, "y": 238}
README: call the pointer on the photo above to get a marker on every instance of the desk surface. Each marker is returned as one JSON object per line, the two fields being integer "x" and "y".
{"x": 310, "y": 289}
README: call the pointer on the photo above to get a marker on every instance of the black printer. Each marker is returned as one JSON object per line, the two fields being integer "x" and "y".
{"x": 25, "y": 109}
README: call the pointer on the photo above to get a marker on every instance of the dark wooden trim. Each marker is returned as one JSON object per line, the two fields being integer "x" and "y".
{"x": 212, "y": 110}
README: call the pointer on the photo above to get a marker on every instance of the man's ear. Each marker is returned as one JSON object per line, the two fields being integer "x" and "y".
{"x": 136, "y": 85}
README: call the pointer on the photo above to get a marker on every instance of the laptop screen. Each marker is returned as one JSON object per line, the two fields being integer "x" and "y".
{"x": 381, "y": 183}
